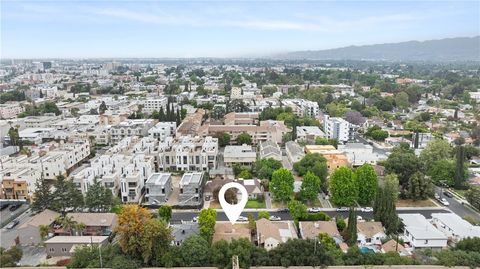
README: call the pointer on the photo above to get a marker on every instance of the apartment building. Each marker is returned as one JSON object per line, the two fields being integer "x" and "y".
{"x": 244, "y": 118}
{"x": 243, "y": 155}
{"x": 359, "y": 154}
{"x": 138, "y": 127}
{"x": 267, "y": 131}
{"x": 302, "y": 108}
{"x": 269, "y": 149}
{"x": 191, "y": 189}
{"x": 162, "y": 130}
{"x": 18, "y": 183}
{"x": 155, "y": 104}
{"x": 158, "y": 188}
{"x": 9, "y": 111}
{"x": 308, "y": 134}
{"x": 337, "y": 128}
{"x": 44, "y": 121}
{"x": 188, "y": 153}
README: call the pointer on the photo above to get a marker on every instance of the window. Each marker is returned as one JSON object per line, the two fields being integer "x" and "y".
{"x": 163, "y": 190}
{"x": 64, "y": 250}
{"x": 51, "y": 250}
{"x": 369, "y": 240}
{"x": 426, "y": 242}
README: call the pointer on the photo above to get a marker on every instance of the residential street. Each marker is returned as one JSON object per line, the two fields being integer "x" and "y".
{"x": 457, "y": 207}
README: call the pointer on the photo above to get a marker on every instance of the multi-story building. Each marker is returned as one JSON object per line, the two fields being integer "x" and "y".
{"x": 130, "y": 128}
{"x": 302, "y": 108}
{"x": 454, "y": 226}
{"x": 337, "y": 128}
{"x": 419, "y": 233}
{"x": 9, "y": 111}
{"x": 308, "y": 134}
{"x": 158, "y": 188}
{"x": 188, "y": 154}
{"x": 243, "y": 154}
{"x": 156, "y": 104}
{"x": 359, "y": 154}
{"x": 335, "y": 158}
{"x": 162, "y": 130}
{"x": 44, "y": 121}
{"x": 191, "y": 189}
{"x": 18, "y": 183}
{"x": 269, "y": 149}
{"x": 294, "y": 151}
{"x": 267, "y": 131}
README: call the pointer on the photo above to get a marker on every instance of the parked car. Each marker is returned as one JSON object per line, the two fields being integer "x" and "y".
{"x": 437, "y": 196}
{"x": 282, "y": 210}
{"x": 4, "y": 206}
{"x": 195, "y": 219}
{"x": 15, "y": 207}
{"x": 342, "y": 209}
{"x": 274, "y": 218}
{"x": 444, "y": 202}
{"x": 12, "y": 224}
{"x": 366, "y": 209}
{"x": 314, "y": 209}
{"x": 448, "y": 194}
{"x": 242, "y": 218}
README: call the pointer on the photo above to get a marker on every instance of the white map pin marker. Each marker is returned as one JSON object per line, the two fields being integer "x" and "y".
{"x": 233, "y": 211}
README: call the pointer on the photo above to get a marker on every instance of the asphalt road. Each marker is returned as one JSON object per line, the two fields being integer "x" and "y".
{"x": 188, "y": 216}
{"x": 457, "y": 206}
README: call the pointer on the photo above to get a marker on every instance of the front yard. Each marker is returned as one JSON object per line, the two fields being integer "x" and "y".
{"x": 255, "y": 204}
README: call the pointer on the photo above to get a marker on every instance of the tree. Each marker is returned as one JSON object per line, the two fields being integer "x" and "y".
{"x": 98, "y": 198}
{"x": 443, "y": 171}
{"x": 195, "y": 251}
{"x": 340, "y": 223}
{"x": 384, "y": 209}
{"x": 14, "y": 136}
{"x": 281, "y": 185}
{"x": 376, "y": 133}
{"x": 419, "y": 187}
{"x": 50, "y": 107}
{"x": 266, "y": 167}
{"x": 343, "y": 187}
{"x": 165, "y": 213}
{"x": 327, "y": 241}
{"x": 459, "y": 167}
{"x": 403, "y": 162}
{"x": 355, "y": 117}
{"x": 471, "y": 151}
{"x": 263, "y": 214}
{"x": 367, "y": 183}
{"x": 252, "y": 225}
{"x": 206, "y": 223}
{"x": 401, "y": 100}
{"x": 351, "y": 233}
{"x": 244, "y": 138}
{"x": 245, "y": 174}
{"x": 43, "y": 230}
{"x": 10, "y": 258}
{"x": 42, "y": 197}
{"x": 473, "y": 197}
{"x": 223, "y": 139}
{"x": 469, "y": 244}
{"x": 102, "y": 108}
{"x": 315, "y": 163}
{"x": 436, "y": 150}
{"x": 66, "y": 195}
{"x": 310, "y": 187}
{"x": 297, "y": 210}
{"x": 218, "y": 112}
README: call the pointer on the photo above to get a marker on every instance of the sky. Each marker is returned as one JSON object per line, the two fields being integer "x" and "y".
{"x": 248, "y": 28}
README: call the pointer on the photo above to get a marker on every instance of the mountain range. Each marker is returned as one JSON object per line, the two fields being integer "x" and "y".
{"x": 441, "y": 50}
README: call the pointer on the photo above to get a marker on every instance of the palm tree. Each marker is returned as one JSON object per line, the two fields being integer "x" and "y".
{"x": 43, "y": 229}
{"x": 67, "y": 223}
{"x": 79, "y": 227}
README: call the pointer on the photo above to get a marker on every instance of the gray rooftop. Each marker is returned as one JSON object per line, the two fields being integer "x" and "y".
{"x": 188, "y": 178}
{"x": 159, "y": 178}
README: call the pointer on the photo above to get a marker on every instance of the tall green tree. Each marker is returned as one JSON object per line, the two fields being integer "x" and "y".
{"x": 66, "y": 195}
{"x": 403, "y": 162}
{"x": 42, "y": 197}
{"x": 297, "y": 210}
{"x": 310, "y": 187}
{"x": 98, "y": 198}
{"x": 459, "y": 167}
{"x": 102, "y": 108}
{"x": 195, "y": 251}
{"x": 384, "y": 208}
{"x": 351, "y": 232}
{"x": 367, "y": 183}
{"x": 343, "y": 187}
{"x": 206, "y": 223}
{"x": 419, "y": 187}
{"x": 436, "y": 150}
{"x": 281, "y": 185}
{"x": 315, "y": 163}
{"x": 266, "y": 167}
{"x": 244, "y": 138}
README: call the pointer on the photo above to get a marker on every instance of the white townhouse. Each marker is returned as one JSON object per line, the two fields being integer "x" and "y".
{"x": 419, "y": 233}
{"x": 162, "y": 130}
{"x": 454, "y": 227}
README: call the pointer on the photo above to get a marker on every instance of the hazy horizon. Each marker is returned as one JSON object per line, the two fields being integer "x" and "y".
{"x": 213, "y": 29}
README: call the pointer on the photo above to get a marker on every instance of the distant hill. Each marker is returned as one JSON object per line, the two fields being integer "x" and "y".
{"x": 449, "y": 49}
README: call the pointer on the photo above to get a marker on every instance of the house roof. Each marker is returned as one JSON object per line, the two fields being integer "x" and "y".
{"x": 46, "y": 217}
{"x": 226, "y": 231}
{"x": 370, "y": 228}
{"x": 182, "y": 231}
{"x": 392, "y": 246}
{"x": 77, "y": 239}
{"x": 252, "y": 185}
{"x": 216, "y": 183}
{"x": 311, "y": 229}
{"x": 159, "y": 178}
{"x": 94, "y": 219}
{"x": 420, "y": 228}
{"x": 279, "y": 230}
{"x": 458, "y": 225}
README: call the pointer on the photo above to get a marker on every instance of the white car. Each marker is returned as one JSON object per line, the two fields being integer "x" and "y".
{"x": 273, "y": 218}
{"x": 242, "y": 218}
{"x": 314, "y": 210}
{"x": 437, "y": 196}
{"x": 444, "y": 202}
{"x": 195, "y": 219}
{"x": 366, "y": 209}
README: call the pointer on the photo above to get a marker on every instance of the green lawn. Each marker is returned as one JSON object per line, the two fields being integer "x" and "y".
{"x": 255, "y": 204}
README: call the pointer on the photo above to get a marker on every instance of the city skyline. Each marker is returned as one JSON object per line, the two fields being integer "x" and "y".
{"x": 125, "y": 29}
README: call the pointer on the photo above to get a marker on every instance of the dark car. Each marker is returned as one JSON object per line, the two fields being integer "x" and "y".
{"x": 3, "y": 207}
{"x": 14, "y": 207}
{"x": 448, "y": 194}
{"x": 284, "y": 210}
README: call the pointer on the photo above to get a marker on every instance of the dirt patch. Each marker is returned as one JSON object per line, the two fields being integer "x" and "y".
{"x": 418, "y": 203}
